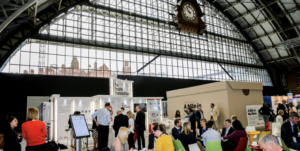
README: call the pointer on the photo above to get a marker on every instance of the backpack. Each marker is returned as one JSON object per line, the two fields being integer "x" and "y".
{"x": 196, "y": 116}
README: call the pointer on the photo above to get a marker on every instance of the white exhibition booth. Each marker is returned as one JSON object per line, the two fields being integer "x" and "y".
{"x": 120, "y": 96}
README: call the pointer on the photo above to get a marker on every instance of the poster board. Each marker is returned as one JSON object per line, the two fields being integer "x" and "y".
{"x": 154, "y": 112}
{"x": 253, "y": 116}
{"x": 79, "y": 126}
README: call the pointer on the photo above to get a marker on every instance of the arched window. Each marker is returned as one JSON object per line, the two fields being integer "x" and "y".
{"x": 138, "y": 37}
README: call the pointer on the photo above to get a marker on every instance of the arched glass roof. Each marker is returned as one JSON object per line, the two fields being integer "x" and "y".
{"x": 138, "y": 37}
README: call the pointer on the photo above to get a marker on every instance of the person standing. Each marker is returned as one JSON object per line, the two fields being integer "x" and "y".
{"x": 34, "y": 131}
{"x": 214, "y": 116}
{"x": 95, "y": 135}
{"x": 140, "y": 126}
{"x": 130, "y": 129}
{"x": 177, "y": 129}
{"x": 200, "y": 115}
{"x": 285, "y": 108}
{"x": 265, "y": 112}
{"x": 120, "y": 121}
{"x": 102, "y": 123}
{"x": 191, "y": 117}
{"x": 11, "y": 138}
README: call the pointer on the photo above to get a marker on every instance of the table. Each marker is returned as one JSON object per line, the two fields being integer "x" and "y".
{"x": 254, "y": 147}
{"x": 251, "y": 135}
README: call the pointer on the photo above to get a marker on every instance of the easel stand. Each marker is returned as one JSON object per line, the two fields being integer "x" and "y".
{"x": 78, "y": 144}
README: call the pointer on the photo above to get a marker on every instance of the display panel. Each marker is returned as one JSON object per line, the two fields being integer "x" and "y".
{"x": 79, "y": 126}
{"x": 142, "y": 105}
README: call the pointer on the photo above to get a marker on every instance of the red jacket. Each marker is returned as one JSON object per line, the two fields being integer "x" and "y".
{"x": 34, "y": 132}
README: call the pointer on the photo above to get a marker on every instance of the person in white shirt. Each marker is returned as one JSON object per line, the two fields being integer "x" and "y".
{"x": 270, "y": 143}
{"x": 130, "y": 129}
{"x": 211, "y": 134}
{"x": 279, "y": 118}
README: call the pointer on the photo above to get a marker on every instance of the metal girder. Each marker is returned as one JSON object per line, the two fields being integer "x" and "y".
{"x": 57, "y": 3}
{"x": 238, "y": 2}
{"x": 147, "y": 64}
{"x": 225, "y": 71}
{"x": 273, "y": 47}
{"x": 278, "y": 24}
{"x": 32, "y": 11}
{"x": 16, "y": 14}
{"x": 281, "y": 59}
{"x": 258, "y": 23}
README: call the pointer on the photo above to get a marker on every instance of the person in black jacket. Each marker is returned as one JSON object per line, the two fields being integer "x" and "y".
{"x": 200, "y": 115}
{"x": 177, "y": 129}
{"x": 121, "y": 120}
{"x": 285, "y": 108}
{"x": 289, "y": 131}
{"x": 265, "y": 112}
{"x": 187, "y": 137}
{"x": 191, "y": 117}
{"x": 227, "y": 130}
{"x": 177, "y": 114}
{"x": 11, "y": 138}
{"x": 140, "y": 126}
{"x": 152, "y": 139}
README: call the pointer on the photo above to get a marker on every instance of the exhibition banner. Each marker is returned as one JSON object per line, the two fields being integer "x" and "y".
{"x": 121, "y": 87}
{"x": 276, "y": 100}
{"x": 192, "y": 104}
{"x": 253, "y": 116}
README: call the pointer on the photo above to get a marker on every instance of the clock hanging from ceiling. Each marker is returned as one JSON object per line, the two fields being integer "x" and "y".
{"x": 188, "y": 17}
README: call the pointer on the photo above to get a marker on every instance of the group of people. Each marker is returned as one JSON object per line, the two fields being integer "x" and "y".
{"x": 123, "y": 126}
{"x": 33, "y": 131}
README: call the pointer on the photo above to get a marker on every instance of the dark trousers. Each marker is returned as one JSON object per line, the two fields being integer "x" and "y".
{"x": 295, "y": 145}
{"x": 103, "y": 132}
{"x": 198, "y": 125}
{"x": 36, "y": 148}
{"x": 228, "y": 145}
{"x": 130, "y": 141}
{"x": 140, "y": 135}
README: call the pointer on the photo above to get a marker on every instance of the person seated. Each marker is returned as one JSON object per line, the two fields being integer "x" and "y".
{"x": 164, "y": 142}
{"x": 120, "y": 143}
{"x": 234, "y": 138}
{"x": 289, "y": 132}
{"x": 152, "y": 139}
{"x": 227, "y": 130}
{"x": 211, "y": 134}
{"x": 279, "y": 118}
{"x": 177, "y": 114}
{"x": 186, "y": 137}
{"x": 269, "y": 143}
{"x": 233, "y": 117}
{"x": 202, "y": 131}
{"x": 177, "y": 129}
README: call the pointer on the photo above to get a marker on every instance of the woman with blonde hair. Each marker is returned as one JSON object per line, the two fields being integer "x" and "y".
{"x": 120, "y": 143}
{"x": 279, "y": 118}
{"x": 34, "y": 131}
{"x": 186, "y": 136}
{"x": 130, "y": 129}
{"x": 202, "y": 130}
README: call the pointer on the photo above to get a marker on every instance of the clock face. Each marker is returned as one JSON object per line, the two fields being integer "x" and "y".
{"x": 189, "y": 12}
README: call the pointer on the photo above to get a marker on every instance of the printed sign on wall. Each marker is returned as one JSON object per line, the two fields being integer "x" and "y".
{"x": 193, "y": 105}
{"x": 253, "y": 116}
{"x": 121, "y": 87}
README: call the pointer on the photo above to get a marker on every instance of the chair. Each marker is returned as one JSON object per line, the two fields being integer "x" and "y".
{"x": 263, "y": 133}
{"x": 242, "y": 145}
{"x": 194, "y": 147}
{"x": 252, "y": 128}
{"x": 284, "y": 146}
{"x": 213, "y": 146}
{"x": 178, "y": 145}
{"x": 275, "y": 125}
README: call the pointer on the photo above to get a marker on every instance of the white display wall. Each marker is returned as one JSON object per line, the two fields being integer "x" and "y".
{"x": 64, "y": 109}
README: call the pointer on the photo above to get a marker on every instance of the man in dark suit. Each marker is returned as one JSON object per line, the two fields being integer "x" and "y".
{"x": 177, "y": 129}
{"x": 270, "y": 143}
{"x": 152, "y": 139}
{"x": 227, "y": 130}
{"x": 289, "y": 132}
{"x": 201, "y": 116}
{"x": 140, "y": 126}
{"x": 285, "y": 108}
{"x": 120, "y": 121}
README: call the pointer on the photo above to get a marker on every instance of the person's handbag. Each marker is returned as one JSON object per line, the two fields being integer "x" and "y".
{"x": 51, "y": 146}
{"x": 1, "y": 141}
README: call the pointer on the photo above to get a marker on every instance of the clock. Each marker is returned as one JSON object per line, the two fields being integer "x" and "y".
{"x": 189, "y": 12}
{"x": 187, "y": 17}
